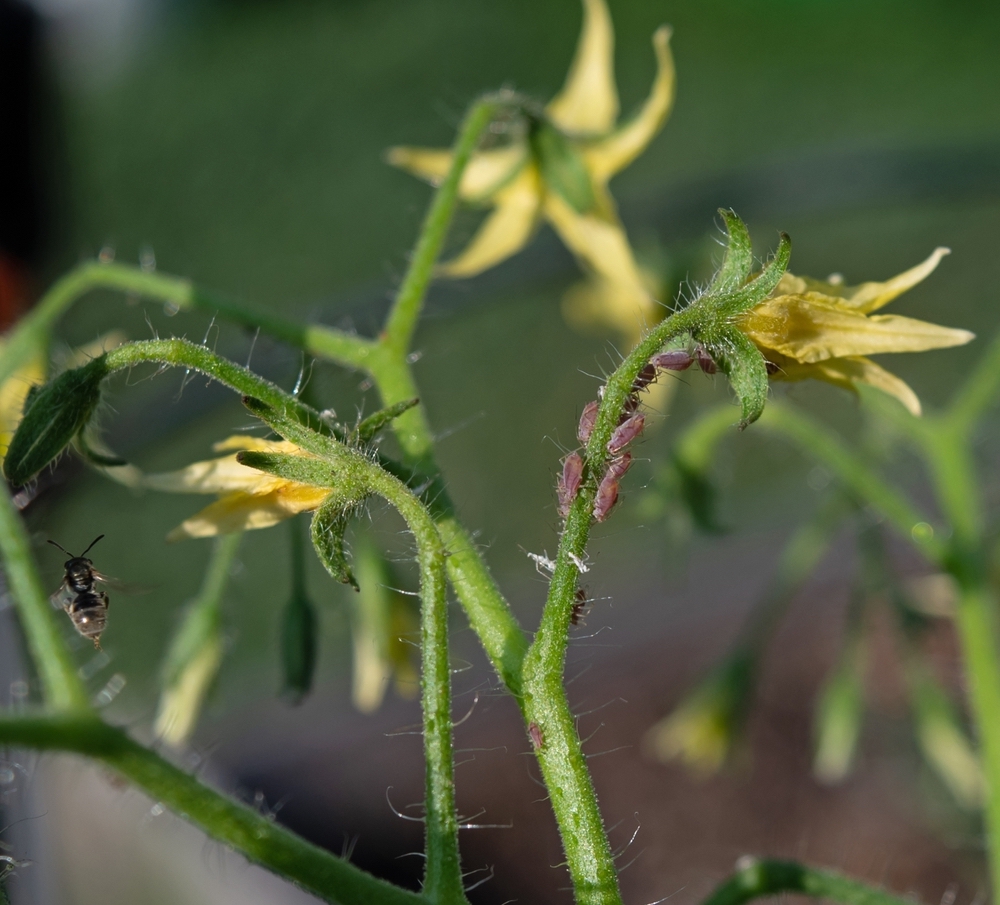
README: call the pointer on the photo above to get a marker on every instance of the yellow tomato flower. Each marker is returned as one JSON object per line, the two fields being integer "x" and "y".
{"x": 13, "y": 392}
{"x": 511, "y": 180}
{"x": 825, "y": 330}
{"x": 248, "y": 498}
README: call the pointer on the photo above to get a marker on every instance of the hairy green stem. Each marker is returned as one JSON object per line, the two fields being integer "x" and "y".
{"x": 62, "y": 688}
{"x": 256, "y": 836}
{"x": 755, "y": 879}
{"x": 546, "y": 708}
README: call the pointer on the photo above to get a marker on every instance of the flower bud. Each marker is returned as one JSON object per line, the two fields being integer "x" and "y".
{"x": 55, "y": 415}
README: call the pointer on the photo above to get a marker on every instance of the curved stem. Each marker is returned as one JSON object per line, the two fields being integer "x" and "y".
{"x": 257, "y": 837}
{"x": 560, "y": 754}
{"x": 757, "y": 879}
{"x": 62, "y": 688}
{"x": 822, "y": 444}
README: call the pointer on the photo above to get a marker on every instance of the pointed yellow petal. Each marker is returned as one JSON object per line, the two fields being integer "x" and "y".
{"x": 224, "y": 475}
{"x": 245, "y": 511}
{"x": 867, "y": 297}
{"x": 246, "y": 441}
{"x": 609, "y": 155}
{"x": 588, "y": 102}
{"x": 505, "y": 231}
{"x": 845, "y": 373}
{"x": 602, "y": 248}
{"x": 812, "y": 327}
{"x": 863, "y": 370}
{"x": 485, "y": 173}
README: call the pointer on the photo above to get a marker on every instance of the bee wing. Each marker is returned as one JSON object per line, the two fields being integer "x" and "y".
{"x": 63, "y": 597}
{"x": 122, "y": 587}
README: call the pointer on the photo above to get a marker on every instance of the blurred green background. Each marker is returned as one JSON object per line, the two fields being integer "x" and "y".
{"x": 242, "y": 144}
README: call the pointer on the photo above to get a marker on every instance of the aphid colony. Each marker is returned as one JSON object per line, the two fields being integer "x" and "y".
{"x": 629, "y": 427}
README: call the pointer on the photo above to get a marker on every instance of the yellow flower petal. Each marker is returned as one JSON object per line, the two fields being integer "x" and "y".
{"x": 588, "y": 102}
{"x": 180, "y": 705}
{"x": 870, "y": 297}
{"x": 609, "y": 155}
{"x": 602, "y": 248}
{"x": 485, "y": 173}
{"x": 505, "y": 231}
{"x": 246, "y": 511}
{"x": 813, "y": 327}
{"x": 13, "y": 392}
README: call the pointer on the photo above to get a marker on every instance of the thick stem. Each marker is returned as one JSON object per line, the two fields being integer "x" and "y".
{"x": 257, "y": 837}
{"x": 61, "y": 686}
{"x": 758, "y": 879}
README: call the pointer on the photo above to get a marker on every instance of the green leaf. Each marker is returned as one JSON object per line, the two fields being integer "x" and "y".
{"x": 365, "y": 432}
{"x": 562, "y": 167}
{"x": 328, "y": 527}
{"x": 839, "y": 713}
{"x": 56, "y": 414}
{"x": 747, "y": 372}
{"x": 738, "y": 262}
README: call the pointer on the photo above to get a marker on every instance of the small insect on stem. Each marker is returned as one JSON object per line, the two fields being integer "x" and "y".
{"x": 588, "y": 418}
{"x": 607, "y": 490}
{"x": 626, "y": 432}
{"x": 86, "y": 607}
{"x": 535, "y": 734}
{"x": 569, "y": 482}
{"x": 576, "y": 614}
{"x": 705, "y": 361}
{"x": 672, "y": 360}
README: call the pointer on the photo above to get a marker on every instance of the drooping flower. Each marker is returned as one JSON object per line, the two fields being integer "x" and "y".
{"x": 559, "y": 171}
{"x": 824, "y": 330}
{"x": 248, "y": 498}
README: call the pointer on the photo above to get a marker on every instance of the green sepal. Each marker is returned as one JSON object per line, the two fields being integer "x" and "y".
{"x": 57, "y": 413}
{"x": 102, "y": 460}
{"x": 738, "y": 261}
{"x": 760, "y": 287}
{"x": 562, "y": 167}
{"x": 366, "y": 431}
{"x": 298, "y": 647}
{"x": 287, "y": 426}
{"x": 327, "y": 531}
{"x": 300, "y": 469}
{"x": 744, "y": 365}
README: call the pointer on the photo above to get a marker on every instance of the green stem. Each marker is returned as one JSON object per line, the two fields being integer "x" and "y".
{"x": 405, "y": 313}
{"x": 756, "y": 879}
{"x": 822, "y": 444}
{"x": 256, "y": 836}
{"x": 62, "y": 688}
{"x": 544, "y": 703}
{"x": 979, "y": 391}
{"x": 953, "y": 472}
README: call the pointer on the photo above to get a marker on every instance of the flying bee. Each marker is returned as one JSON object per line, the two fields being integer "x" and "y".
{"x": 78, "y": 597}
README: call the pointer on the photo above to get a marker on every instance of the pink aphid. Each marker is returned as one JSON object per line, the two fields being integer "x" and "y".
{"x": 607, "y": 496}
{"x": 625, "y": 433}
{"x": 569, "y": 482}
{"x": 619, "y": 465}
{"x": 588, "y": 418}
{"x": 672, "y": 360}
{"x": 645, "y": 377}
{"x": 535, "y": 733}
{"x": 705, "y": 361}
